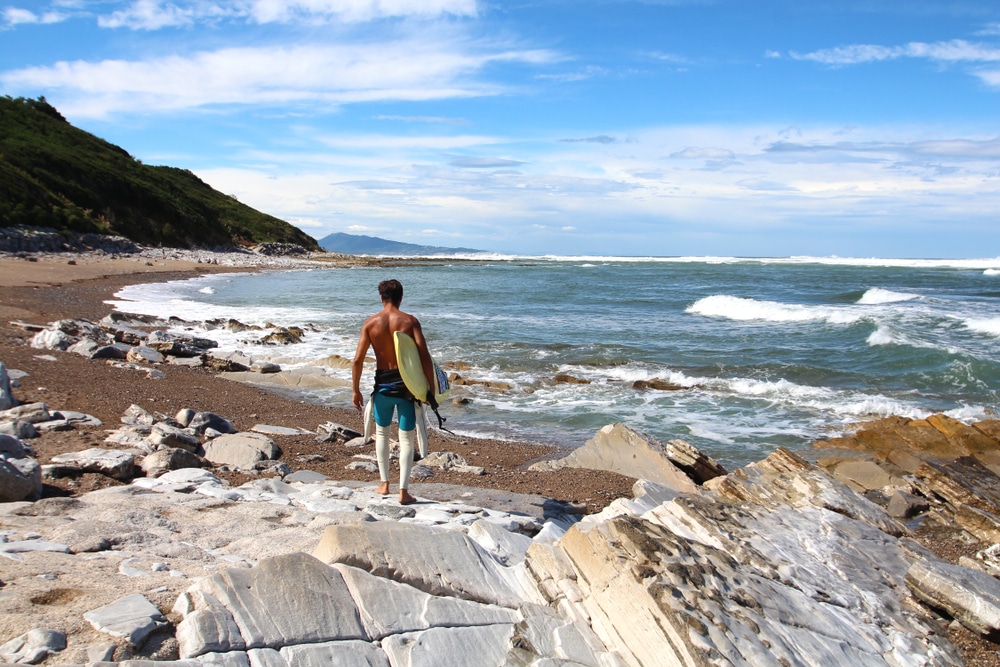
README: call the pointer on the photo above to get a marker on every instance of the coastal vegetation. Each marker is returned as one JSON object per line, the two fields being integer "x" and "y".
{"x": 53, "y": 174}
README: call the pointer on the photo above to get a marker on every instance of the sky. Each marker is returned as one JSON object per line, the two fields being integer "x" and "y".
{"x": 852, "y": 128}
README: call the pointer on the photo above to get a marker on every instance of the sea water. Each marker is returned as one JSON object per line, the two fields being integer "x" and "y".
{"x": 757, "y": 353}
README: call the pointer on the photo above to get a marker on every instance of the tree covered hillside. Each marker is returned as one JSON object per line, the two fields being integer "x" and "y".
{"x": 55, "y": 175}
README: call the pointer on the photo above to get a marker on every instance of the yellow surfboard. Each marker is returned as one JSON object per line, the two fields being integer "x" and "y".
{"x": 412, "y": 371}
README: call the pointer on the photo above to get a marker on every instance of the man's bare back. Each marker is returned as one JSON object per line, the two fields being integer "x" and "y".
{"x": 376, "y": 333}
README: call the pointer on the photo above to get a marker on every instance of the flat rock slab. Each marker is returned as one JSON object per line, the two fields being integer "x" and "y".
{"x": 132, "y": 618}
{"x": 968, "y": 595}
{"x": 113, "y": 463}
{"x": 241, "y": 450}
{"x": 437, "y": 562}
{"x": 287, "y": 600}
{"x": 33, "y": 647}
{"x": 267, "y": 429}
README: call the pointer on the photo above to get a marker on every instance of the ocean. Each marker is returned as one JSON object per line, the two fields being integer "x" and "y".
{"x": 754, "y": 353}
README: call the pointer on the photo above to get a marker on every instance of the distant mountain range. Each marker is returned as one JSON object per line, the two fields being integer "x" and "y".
{"x": 55, "y": 175}
{"x": 352, "y": 244}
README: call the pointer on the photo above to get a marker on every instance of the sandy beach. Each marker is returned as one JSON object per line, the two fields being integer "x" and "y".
{"x": 48, "y": 288}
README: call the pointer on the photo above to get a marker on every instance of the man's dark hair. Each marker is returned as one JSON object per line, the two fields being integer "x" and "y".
{"x": 391, "y": 291}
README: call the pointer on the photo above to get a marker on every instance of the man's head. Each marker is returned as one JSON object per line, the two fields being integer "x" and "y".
{"x": 391, "y": 291}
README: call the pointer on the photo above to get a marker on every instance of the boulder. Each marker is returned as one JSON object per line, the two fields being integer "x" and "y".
{"x": 970, "y": 596}
{"x": 33, "y": 647}
{"x": 29, "y": 412}
{"x": 938, "y": 436}
{"x": 137, "y": 415}
{"x": 414, "y": 555}
{"x": 619, "y": 449}
{"x": 984, "y": 525}
{"x": 164, "y": 434}
{"x": 241, "y": 450}
{"x": 176, "y": 345}
{"x": 144, "y": 355}
{"x": 287, "y": 600}
{"x": 201, "y": 421}
{"x": 903, "y": 505}
{"x": 861, "y": 475}
{"x": 131, "y": 618}
{"x": 20, "y": 429}
{"x": 170, "y": 458}
{"x": 113, "y": 463}
{"x": 7, "y": 400}
{"x": 20, "y": 473}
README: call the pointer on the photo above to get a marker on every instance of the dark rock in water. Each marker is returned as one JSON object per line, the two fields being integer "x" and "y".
{"x": 283, "y": 336}
{"x": 656, "y": 384}
{"x": 563, "y": 378}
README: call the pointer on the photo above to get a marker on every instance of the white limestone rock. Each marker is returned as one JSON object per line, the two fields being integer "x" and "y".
{"x": 20, "y": 472}
{"x": 241, "y": 450}
{"x": 970, "y": 596}
{"x": 33, "y": 647}
{"x": 29, "y": 412}
{"x": 141, "y": 354}
{"x": 110, "y": 462}
{"x": 484, "y": 646}
{"x": 695, "y": 580}
{"x": 619, "y": 449}
{"x": 169, "y": 458}
{"x": 287, "y": 600}
{"x": 132, "y": 618}
{"x": 7, "y": 400}
{"x": 164, "y": 434}
{"x": 435, "y": 561}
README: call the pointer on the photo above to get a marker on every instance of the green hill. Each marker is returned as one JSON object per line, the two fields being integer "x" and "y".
{"x": 55, "y": 175}
{"x": 352, "y": 244}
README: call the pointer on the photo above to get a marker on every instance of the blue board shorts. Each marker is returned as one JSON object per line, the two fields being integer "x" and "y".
{"x": 391, "y": 395}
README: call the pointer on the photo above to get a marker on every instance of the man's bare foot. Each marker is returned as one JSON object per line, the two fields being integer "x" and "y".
{"x": 405, "y": 498}
{"x": 383, "y": 488}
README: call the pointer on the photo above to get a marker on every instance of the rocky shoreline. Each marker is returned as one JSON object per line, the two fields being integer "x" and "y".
{"x": 201, "y": 550}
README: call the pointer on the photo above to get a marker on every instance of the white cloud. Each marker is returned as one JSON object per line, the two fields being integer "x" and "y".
{"x": 13, "y": 16}
{"x": 957, "y": 50}
{"x": 157, "y": 14}
{"x": 409, "y": 69}
{"x": 704, "y": 153}
{"x": 283, "y": 11}
{"x": 884, "y": 176}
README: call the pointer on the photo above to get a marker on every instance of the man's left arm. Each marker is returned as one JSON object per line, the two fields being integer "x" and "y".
{"x": 425, "y": 360}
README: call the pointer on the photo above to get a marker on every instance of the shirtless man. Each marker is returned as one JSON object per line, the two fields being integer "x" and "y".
{"x": 390, "y": 393}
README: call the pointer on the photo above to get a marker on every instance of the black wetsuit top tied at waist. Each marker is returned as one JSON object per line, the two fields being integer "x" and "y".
{"x": 389, "y": 383}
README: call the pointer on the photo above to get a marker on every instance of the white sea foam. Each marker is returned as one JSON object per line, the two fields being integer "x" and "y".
{"x": 744, "y": 309}
{"x": 991, "y": 272}
{"x": 207, "y": 290}
{"x": 988, "y": 326}
{"x": 877, "y": 296}
{"x": 988, "y": 264}
{"x": 882, "y": 336}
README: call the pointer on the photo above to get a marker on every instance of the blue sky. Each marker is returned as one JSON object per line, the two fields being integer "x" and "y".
{"x": 726, "y": 127}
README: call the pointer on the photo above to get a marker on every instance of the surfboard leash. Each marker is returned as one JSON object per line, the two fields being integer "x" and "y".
{"x": 441, "y": 420}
